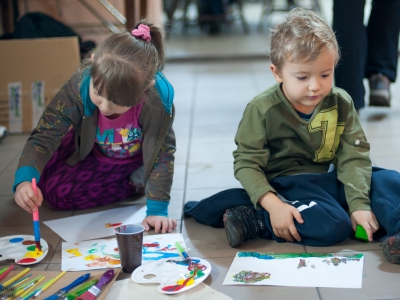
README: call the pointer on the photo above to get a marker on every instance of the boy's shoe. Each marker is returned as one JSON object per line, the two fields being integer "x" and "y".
{"x": 241, "y": 223}
{"x": 391, "y": 248}
{"x": 379, "y": 90}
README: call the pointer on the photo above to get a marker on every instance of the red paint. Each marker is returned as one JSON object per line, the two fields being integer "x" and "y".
{"x": 28, "y": 242}
{"x": 27, "y": 260}
{"x": 151, "y": 245}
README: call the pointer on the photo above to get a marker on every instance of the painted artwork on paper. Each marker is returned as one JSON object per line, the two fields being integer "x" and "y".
{"x": 103, "y": 253}
{"x": 161, "y": 246}
{"x": 342, "y": 270}
{"x": 90, "y": 255}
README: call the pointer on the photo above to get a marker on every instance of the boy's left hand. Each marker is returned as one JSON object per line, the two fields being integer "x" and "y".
{"x": 159, "y": 223}
{"x": 366, "y": 219}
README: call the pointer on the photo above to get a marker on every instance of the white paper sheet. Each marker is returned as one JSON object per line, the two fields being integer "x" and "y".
{"x": 103, "y": 253}
{"x": 96, "y": 225}
{"x": 296, "y": 269}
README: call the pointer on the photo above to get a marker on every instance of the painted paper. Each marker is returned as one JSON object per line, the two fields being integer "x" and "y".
{"x": 103, "y": 253}
{"x": 96, "y": 225}
{"x": 342, "y": 270}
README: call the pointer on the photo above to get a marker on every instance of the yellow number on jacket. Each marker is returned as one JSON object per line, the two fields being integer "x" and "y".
{"x": 327, "y": 122}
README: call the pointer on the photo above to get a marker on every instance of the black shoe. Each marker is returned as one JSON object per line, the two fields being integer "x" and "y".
{"x": 241, "y": 223}
{"x": 379, "y": 90}
{"x": 391, "y": 248}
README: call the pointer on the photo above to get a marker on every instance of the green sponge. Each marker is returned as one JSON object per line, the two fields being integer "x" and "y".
{"x": 361, "y": 234}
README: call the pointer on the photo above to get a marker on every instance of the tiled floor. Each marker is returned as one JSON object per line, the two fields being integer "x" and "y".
{"x": 210, "y": 98}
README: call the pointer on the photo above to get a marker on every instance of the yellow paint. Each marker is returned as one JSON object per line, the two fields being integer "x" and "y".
{"x": 33, "y": 254}
{"x": 91, "y": 257}
{"x": 190, "y": 282}
{"x": 74, "y": 252}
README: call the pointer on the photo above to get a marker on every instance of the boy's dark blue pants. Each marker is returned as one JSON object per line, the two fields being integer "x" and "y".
{"x": 321, "y": 201}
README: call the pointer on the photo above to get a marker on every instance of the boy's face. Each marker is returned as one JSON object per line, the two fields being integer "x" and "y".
{"x": 306, "y": 84}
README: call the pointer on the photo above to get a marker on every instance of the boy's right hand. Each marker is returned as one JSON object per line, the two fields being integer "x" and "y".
{"x": 281, "y": 217}
{"x": 25, "y": 197}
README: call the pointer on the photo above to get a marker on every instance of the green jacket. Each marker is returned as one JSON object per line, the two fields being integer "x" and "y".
{"x": 272, "y": 140}
{"x": 72, "y": 106}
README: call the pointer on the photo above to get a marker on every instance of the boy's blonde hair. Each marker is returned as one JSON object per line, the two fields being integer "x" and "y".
{"x": 301, "y": 38}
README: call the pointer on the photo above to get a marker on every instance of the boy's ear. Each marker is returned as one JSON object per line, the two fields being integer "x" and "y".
{"x": 92, "y": 56}
{"x": 275, "y": 72}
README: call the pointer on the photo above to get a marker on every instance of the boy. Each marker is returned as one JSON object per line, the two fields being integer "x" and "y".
{"x": 302, "y": 156}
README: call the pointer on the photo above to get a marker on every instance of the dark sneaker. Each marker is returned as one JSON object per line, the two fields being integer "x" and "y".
{"x": 379, "y": 90}
{"x": 241, "y": 223}
{"x": 391, "y": 248}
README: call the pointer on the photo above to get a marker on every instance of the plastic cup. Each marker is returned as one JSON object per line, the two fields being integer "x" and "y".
{"x": 130, "y": 245}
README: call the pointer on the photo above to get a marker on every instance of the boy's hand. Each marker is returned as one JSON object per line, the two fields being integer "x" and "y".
{"x": 281, "y": 216}
{"x": 159, "y": 223}
{"x": 366, "y": 219}
{"x": 25, "y": 197}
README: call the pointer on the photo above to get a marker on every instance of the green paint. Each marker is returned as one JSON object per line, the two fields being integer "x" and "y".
{"x": 272, "y": 255}
{"x": 31, "y": 248}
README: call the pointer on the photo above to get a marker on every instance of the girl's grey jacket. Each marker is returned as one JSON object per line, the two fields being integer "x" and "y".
{"x": 72, "y": 106}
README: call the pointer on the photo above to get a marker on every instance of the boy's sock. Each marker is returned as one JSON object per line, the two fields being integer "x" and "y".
{"x": 242, "y": 223}
{"x": 391, "y": 248}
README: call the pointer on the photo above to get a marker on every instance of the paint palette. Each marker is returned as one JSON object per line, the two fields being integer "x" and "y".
{"x": 22, "y": 249}
{"x": 174, "y": 275}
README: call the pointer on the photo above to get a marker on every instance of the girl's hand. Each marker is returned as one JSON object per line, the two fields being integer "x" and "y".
{"x": 159, "y": 223}
{"x": 25, "y": 197}
{"x": 281, "y": 216}
{"x": 366, "y": 219}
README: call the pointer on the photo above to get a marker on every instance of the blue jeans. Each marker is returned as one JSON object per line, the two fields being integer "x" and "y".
{"x": 321, "y": 201}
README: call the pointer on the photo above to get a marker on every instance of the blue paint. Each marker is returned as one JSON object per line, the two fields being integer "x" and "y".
{"x": 158, "y": 255}
{"x": 16, "y": 240}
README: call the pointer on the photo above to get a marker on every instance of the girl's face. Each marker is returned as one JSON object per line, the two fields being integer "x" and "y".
{"x": 107, "y": 108}
{"x": 306, "y": 84}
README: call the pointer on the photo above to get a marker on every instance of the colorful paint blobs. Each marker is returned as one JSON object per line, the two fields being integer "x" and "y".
{"x": 26, "y": 261}
{"x": 88, "y": 255}
{"x": 154, "y": 251}
{"x": 28, "y": 243}
{"x": 74, "y": 251}
{"x": 16, "y": 240}
{"x": 110, "y": 225}
{"x": 195, "y": 272}
{"x": 21, "y": 248}
{"x": 250, "y": 277}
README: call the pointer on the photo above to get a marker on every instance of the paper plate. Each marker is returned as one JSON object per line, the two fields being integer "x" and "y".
{"x": 173, "y": 275}
{"x": 21, "y": 248}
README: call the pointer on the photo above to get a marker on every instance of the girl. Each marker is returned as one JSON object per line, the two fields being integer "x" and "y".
{"x": 111, "y": 121}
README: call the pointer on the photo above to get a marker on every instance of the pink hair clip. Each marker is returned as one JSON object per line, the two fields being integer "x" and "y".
{"x": 143, "y": 31}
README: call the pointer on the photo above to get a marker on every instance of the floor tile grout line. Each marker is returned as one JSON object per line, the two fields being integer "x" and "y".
{"x": 191, "y": 118}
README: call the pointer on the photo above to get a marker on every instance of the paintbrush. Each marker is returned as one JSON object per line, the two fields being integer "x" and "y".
{"x": 36, "y": 224}
{"x": 5, "y": 272}
{"x": 12, "y": 287}
{"x": 21, "y": 289}
{"x": 95, "y": 290}
{"x": 15, "y": 278}
{"x": 47, "y": 285}
{"x": 27, "y": 294}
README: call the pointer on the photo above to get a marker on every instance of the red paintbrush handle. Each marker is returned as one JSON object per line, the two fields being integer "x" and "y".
{"x": 6, "y": 272}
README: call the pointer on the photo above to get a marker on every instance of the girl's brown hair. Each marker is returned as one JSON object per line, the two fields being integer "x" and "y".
{"x": 124, "y": 66}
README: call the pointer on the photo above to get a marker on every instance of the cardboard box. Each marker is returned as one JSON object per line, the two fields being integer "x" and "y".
{"x": 31, "y": 73}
